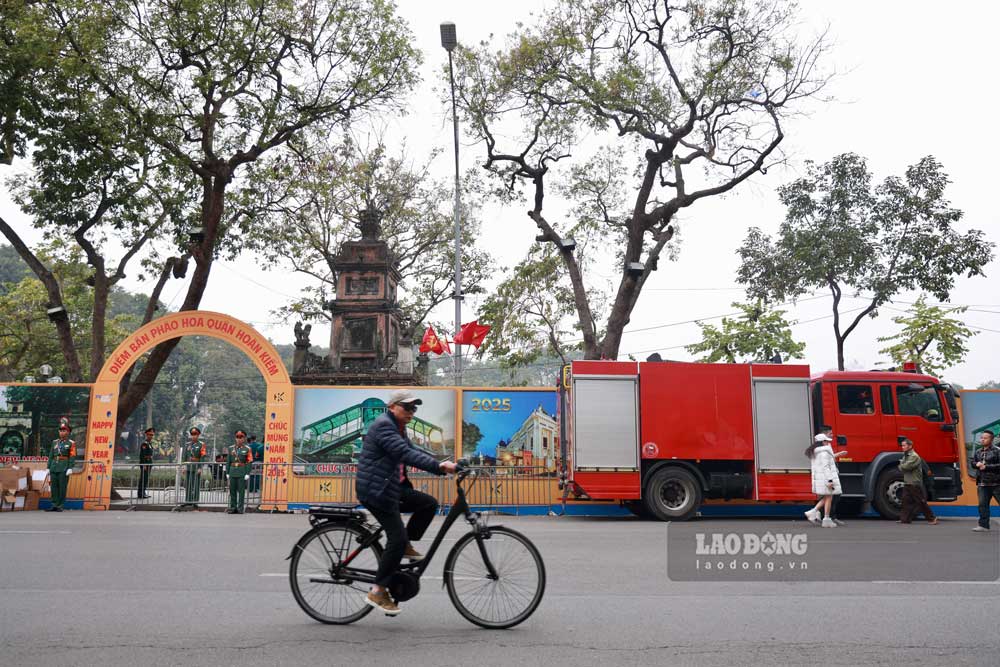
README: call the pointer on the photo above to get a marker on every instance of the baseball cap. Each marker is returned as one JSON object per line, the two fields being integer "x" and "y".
{"x": 823, "y": 437}
{"x": 404, "y": 396}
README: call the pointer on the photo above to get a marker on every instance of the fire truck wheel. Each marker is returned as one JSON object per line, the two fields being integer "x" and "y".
{"x": 887, "y": 499}
{"x": 672, "y": 494}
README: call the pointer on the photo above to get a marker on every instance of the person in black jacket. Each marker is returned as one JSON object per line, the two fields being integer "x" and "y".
{"x": 986, "y": 461}
{"x": 384, "y": 490}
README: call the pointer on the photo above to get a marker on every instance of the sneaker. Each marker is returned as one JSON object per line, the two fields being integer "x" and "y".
{"x": 381, "y": 600}
{"x": 980, "y": 529}
{"x": 812, "y": 516}
{"x": 933, "y": 522}
{"x": 412, "y": 553}
{"x": 828, "y": 523}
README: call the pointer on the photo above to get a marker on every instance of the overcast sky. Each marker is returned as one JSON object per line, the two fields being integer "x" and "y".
{"x": 914, "y": 79}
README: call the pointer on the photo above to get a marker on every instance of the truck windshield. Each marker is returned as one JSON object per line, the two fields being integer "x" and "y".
{"x": 920, "y": 403}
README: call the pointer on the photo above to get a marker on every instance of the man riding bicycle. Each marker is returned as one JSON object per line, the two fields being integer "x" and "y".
{"x": 383, "y": 488}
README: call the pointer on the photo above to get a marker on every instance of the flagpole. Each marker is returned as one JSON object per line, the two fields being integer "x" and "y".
{"x": 449, "y": 40}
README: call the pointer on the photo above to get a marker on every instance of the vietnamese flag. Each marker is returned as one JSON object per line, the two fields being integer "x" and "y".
{"x": 472, "y": 333}
{"x": 431, "y": 343}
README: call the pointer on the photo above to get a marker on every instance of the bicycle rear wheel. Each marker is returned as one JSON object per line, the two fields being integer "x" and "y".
{"x": 321, "y": 594}
{"x": 510, "y": 597}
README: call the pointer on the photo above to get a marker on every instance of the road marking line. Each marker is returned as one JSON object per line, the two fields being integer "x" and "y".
{"x": 962, "y": 583}
{"x": 36, "y": 532}
{"x": 285, "y": 574}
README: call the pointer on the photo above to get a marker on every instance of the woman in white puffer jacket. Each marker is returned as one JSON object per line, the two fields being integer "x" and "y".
{"x": 825, "y": 477}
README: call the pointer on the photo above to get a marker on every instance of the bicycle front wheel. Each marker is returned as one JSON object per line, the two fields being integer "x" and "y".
{"x": 317, "y": 588}
{"x": 508, "y": 598}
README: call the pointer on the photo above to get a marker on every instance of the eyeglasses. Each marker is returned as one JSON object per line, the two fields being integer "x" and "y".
{"x": 409, "y": 407}
{"x": 240, "y": 437}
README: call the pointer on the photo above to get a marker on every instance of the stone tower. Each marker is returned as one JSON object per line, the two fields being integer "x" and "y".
{"x": 366, "y": 329}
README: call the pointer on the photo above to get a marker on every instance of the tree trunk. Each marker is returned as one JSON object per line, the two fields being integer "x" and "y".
{"x": 212, "y": 209}
{"x": 97, "y": 330}
{"x": 74, "y": 373}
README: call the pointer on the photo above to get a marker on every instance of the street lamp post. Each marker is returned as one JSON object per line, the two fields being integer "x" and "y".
{"x": 449, "y": 40}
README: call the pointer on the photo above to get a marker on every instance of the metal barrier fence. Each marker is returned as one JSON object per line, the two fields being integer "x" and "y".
{"x": 178, "y": 485}
{"x": 205, "y": 484}
{"x": 495, "y": 487}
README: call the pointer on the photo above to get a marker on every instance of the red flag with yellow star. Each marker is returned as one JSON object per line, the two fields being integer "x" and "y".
{"x": 472, "y": 333}
{"x": 431, "y": 343}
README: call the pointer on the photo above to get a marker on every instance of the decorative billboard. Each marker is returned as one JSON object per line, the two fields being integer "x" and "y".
{"x": 510, "y": 428}
{"x": 30, "y": 415}
{"x": 331, "y": 422}
{"x": 980, "y": 412}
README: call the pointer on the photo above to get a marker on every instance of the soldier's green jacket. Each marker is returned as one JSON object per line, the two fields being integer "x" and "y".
{"x": 238, "y": 461}
{"x": 194, "y": 452}
{"x": 62, "y": 456}
{"x": 146, "y": 452}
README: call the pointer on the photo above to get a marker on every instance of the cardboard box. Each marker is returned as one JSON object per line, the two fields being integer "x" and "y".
{"x": 15, "y": 477}
{"x": 7, "y": 500}
{"x": 40, "y": 482}
{"x": 9, "y": 478}
{"x": 31, "y": 499}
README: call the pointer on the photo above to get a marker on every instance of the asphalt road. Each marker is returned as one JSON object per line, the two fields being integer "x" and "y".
{"x": 147, "y": 588}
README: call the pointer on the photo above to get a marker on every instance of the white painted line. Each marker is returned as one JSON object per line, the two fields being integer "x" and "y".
{"x": 285, "y": 574}
{"x": 961, "y": 583}
{"x": 36, "y": 532}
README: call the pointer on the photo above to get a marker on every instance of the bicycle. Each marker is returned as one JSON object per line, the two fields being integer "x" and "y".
{"x": 494, "y": 575}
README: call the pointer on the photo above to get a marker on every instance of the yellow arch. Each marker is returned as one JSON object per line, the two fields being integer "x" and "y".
{"x": 104, "y": 399}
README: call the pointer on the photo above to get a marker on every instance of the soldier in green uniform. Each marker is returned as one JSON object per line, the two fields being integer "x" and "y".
{"x": 62, "y": 458}
{"x": 258, "y": 457}
{"x": 194, "y": 454}
{"x": 145, "y": 461}
{"x": 238, "y": 471}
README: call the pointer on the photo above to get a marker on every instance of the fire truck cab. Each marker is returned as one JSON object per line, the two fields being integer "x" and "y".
{"x": 662, "y": 437}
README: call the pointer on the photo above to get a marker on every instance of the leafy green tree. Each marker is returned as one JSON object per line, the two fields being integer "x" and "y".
{"x": 29, "y": 339}
{"x": 216, "y": 85}
{"x": 530, "y": 312}
{"x": 12, "y": 267}
{"x": 328, "y": 187}
{"x": 653, "y": 106}
{"x": 841, "y": 233}
{"x": 756, "y": 335}
{"x": 929, "y": 337}
{"x": 992, "y": 384}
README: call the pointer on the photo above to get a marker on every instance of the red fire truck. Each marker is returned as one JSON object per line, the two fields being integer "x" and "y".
{"x": 661, "y": 437}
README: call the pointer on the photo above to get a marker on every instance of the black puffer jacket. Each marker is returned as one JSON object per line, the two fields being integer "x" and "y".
{"x": 385, "y": 450}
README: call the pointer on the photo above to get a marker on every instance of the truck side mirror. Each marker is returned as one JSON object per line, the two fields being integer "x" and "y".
{"x": 841, "y": 440}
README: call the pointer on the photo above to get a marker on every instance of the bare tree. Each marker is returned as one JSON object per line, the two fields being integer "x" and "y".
{"x": 693, "y": 95}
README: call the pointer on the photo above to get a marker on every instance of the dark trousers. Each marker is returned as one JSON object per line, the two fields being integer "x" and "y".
{"x": 58, "y": 482}
{"x": 192, "y": 483}
{"x": 237, "y": 492}
{"x": 423, "y": 507}
{"x": 143, "y": 478}
{"x": 914, "y": 503}
{"x": 986, "y": 493}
